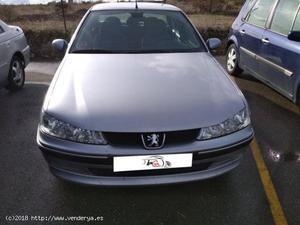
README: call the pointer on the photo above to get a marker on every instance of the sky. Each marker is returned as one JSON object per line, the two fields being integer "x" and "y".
{"x": 23, "y": 1}
{"x": 38, "y": 1}
{"x": 27, "y": 1}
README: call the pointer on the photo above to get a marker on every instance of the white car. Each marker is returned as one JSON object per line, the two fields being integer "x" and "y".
{"x": 14, "y": 56}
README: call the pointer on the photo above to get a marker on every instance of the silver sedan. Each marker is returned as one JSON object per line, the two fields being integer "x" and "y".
{"x": 14, "y": 56}
{"x": 139, "y": 100}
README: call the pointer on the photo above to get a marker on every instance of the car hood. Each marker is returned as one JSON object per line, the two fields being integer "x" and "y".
{"x": 142, "y": 92}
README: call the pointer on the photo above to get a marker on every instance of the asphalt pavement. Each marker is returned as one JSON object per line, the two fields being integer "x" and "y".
{"x": 249, "y": 195}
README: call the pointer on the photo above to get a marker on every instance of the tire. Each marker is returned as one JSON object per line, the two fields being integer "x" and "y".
{"x": 298, "y": 99}
{"x": 232, "y": 61}
{"x": 16, "y": 76}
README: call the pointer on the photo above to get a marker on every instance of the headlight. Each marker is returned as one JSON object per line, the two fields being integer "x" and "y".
{"x": 237, "y": 122}
{"x": 59, "y": 129}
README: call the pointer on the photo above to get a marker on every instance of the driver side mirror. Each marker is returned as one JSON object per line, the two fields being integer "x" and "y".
{"x": 294, "y": 36}
{"x": 60, "y": 45}
{"x": 213, "y": 43}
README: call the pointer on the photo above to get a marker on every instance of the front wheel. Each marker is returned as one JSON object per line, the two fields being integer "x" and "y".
{"x": 232, "y": 62}
{"x": 16, "y": 76}
{"x": 298, "y": 99}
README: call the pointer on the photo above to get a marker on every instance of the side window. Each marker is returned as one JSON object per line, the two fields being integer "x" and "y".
{"x": 297, "y": 23}
{"x": 248, "y": 7}
{"x": 260, "y": 12}
{"x": 284, "y": 16}
{"x": 1, "y": 30}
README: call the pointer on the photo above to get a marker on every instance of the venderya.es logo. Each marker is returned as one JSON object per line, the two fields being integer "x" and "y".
{"x": 157, "y": 162}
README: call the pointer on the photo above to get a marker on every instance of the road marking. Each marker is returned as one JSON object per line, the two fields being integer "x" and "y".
{"x": 38, "y": 82}
{"x": 274, "y": 203}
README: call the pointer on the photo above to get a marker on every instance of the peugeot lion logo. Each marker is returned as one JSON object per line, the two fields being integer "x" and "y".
{"x": 154, "y": 141}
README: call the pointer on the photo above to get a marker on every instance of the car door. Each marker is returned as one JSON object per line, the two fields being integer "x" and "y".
{"x": 251, "y": 33}
{"x": 280, "y": 56}
{"x": 4, "y": 55}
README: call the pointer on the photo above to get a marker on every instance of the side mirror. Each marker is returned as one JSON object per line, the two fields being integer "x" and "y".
{"x": 294, "y": 36}
{"x": 213, "y": 43}
{"x": 60, "y": 45}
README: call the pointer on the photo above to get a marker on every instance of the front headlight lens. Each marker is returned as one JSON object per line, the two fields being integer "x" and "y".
{"x": 59, "y": 129}
{"x": 237, "y": 122}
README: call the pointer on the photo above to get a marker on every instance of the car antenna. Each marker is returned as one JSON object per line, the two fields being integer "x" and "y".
{"x": 136, "y": 4}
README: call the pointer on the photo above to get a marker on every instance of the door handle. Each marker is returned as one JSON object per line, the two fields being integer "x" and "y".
{"x": 243, "y": 31}
{"x": 265, "y": 40}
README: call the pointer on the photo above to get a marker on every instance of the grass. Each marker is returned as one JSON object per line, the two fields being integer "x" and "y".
{"x": 201, "y": 21}
{"x": 47, "y": 25}
{"x": 205, "y": 21}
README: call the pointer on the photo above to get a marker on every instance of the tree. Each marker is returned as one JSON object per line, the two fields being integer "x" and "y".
{"x": 210, "y": 6}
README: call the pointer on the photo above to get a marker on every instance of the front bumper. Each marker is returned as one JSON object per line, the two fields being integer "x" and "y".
{"x": 93, "y": 165}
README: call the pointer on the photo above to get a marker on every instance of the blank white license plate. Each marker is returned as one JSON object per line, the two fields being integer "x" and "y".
{"x": 152, "y": 162}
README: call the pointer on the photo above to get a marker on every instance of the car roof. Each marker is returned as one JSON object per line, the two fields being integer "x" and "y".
{"x": 131, "y": 6}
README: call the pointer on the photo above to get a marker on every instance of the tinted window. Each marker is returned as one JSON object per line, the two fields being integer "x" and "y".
{"x": 260, "y": 12}
{"x": 1, "y": 30}
{"x": 284, "y": 16}
{"x": 142, "y": 31}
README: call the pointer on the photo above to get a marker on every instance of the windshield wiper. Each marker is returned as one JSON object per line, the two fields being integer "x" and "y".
{"x": 92, "y": 51}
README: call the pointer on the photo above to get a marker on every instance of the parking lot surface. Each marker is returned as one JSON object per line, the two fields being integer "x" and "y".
{"x": 251, "y": 194}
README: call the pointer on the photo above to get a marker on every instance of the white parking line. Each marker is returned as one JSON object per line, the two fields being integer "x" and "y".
{"x": 38, "y": 83}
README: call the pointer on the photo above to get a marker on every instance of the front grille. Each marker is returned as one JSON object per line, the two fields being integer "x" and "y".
{"x": 135, "y": 139}
{"x": 197, "y": 167}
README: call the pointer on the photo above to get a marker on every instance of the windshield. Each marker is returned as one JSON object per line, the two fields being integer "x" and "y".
{"x": 136, "y": 31}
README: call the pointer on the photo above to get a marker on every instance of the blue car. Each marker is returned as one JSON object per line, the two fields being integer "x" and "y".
{"x": 264, "y": 40}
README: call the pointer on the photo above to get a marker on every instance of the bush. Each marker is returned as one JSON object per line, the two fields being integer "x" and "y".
{"x": 7, "y": 13}
{"x": 216, "y": 33}
{"x": 40, "y": 44}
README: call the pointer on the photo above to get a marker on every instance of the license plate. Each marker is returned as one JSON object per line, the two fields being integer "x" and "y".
{"x": 152, "y": 162}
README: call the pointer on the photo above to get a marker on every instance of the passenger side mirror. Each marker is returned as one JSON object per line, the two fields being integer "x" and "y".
{"x": 294, "y": 36}
{"x": 213, "y": 43}
{"x": 60, "y": 45}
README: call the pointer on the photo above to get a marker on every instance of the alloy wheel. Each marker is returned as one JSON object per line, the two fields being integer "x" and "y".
{"x": 17, "y": 73}
{"x": 231, "y": 59}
